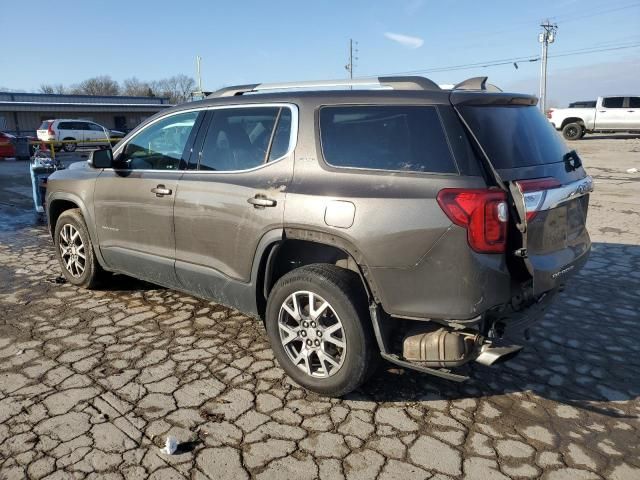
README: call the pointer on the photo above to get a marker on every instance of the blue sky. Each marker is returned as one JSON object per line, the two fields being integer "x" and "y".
{"x": 257, "y": 41}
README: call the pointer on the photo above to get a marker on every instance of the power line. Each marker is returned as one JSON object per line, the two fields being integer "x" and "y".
{"x": 508, "y": 61}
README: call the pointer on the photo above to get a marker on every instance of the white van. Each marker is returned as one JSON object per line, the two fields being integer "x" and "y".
{"x": 84, "y": 132}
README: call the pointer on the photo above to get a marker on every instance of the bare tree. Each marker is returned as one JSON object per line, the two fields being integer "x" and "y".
{"x": 102, "y": 85}
{"x": 136, "y": 88}
{"x": 177, "y": 88}
{"x": 53, "y": 88}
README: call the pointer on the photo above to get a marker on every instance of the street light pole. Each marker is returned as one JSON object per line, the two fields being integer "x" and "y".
{"x": 546, "y": 37}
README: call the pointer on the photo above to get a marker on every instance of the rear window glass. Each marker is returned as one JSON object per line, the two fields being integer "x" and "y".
{"x": 515, "y": 136}
{"x": 385, "y": 138}
{"x": 44, "y": 125}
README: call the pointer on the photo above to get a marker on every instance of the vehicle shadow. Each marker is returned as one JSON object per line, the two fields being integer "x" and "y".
{"x": 612, "y": 136}
{"x": 585, "y": 352}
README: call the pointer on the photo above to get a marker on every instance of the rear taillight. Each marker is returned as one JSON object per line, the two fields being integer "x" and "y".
{"x": 50, "y": 130}
{"x": 482, "y": 212}
{"x": 534, "y": 192}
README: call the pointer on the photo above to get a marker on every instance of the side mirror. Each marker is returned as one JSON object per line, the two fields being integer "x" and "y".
{"x": 102, "y": 158}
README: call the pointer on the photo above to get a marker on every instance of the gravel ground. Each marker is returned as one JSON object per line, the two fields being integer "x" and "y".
{"x": 91, "y": 383}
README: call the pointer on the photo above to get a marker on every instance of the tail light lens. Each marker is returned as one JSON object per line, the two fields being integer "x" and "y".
{"x": 482, "y": 212}
{"x": 534, "y": 192}
{"x": 50, "y": 130}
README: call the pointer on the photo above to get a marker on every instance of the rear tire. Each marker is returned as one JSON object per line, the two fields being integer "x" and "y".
{"x": 69, "y": 147}
{"x": 338, "y": 297}
{"x": 72, "y": 242}
{"x": 573, "y": 131}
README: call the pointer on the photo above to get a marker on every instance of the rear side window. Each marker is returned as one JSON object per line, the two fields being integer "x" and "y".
{"x": 66, "y": 126}
{"x": 613, "y": 102}
{"x": 634, "y": 102}
{"x": 399, "y": 138}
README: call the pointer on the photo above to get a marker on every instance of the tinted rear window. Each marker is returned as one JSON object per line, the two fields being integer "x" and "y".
{"x": 44, "y": 125}
{"x": 515, "y": 136}
{"x": 385, "y": 138}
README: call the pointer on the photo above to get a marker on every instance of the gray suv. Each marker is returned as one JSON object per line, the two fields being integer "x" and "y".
{"x": 360, "y": 220}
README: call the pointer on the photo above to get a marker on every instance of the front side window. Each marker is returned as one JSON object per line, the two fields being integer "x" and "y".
{"x": 613, "y": 102}
{"x": 634, "y": 102}
{"x": 160, "y": 146}
{"x": 95, "y": 127}
{"x": 244, "y": 138}
{"x": 399, "y": 138}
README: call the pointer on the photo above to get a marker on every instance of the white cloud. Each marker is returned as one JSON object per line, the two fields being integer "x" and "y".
{"x": 405, "y": 40}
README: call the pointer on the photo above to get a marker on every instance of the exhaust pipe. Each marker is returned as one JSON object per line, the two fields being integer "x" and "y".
{"x": 495, "y": 353}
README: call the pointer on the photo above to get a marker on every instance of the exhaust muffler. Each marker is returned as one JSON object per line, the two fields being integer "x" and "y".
{"x": 436, "y": 346}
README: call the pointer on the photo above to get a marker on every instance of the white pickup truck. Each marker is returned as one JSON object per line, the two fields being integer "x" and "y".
{"x": 611, "y": 114}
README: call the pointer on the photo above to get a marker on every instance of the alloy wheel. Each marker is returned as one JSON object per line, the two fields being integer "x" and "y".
{"x": 72, "y": 250}
{"x": 312, "y": 334}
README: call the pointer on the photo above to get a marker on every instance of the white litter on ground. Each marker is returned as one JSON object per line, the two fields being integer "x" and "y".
{"x": 632, "y": 170}
{"x": 170, "y": 447}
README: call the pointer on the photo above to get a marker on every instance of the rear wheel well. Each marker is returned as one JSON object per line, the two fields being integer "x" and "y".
{"x": 55, "y": 210}
{"x": 567, "y": 121}
{"x": 288, "y": 255}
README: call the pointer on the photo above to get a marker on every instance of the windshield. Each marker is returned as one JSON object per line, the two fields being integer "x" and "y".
{"x": 515, "y": 136}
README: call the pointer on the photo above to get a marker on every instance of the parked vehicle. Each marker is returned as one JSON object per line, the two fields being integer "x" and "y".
{"x": 7, "y": 145}
{"x": 357, "y": 224}
{"x": 76, "y": 133}
{"x": 608, "y": 114}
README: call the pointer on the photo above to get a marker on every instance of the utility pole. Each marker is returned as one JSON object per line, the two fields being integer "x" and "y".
{"x": 198, "y": 60}
{"x": 353, "y": 56}
{"x": 546, "y": 37}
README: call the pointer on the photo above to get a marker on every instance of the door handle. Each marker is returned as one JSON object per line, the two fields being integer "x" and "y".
{"x": 630, "y": 111}
{"x": 161, "y": 191}
{"x": 261, "y": 201}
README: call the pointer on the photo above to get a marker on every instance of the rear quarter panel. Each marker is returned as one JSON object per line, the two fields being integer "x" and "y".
{"x": 420, "y": 265}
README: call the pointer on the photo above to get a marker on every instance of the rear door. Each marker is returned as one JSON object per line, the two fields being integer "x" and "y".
{"x": 549, "y": 187}
{"x": 632, "y": 118}
{"x": 611, "y": 115}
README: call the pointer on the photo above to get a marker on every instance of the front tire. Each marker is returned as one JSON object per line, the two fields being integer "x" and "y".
{"x": 573, "y": 131}
{"x": 74, "y": 250}
{"x": 320, "y": 329}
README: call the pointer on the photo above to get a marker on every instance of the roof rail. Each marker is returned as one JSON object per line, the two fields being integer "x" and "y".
{"x": 396, "y": 83}
{"x": 476, "y": 83}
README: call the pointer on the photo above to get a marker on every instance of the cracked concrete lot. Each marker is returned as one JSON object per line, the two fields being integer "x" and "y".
{"x": 92, "y": 382}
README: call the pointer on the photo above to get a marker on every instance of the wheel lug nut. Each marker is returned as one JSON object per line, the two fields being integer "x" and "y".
{"x": 313, "y": 324}
{"x": 305, "y": 324}
{"x": 318, "y": 333}
{"x": 309, "y": 342}
{"x": 317, "y": 343}
{"x": 303, "y": 333}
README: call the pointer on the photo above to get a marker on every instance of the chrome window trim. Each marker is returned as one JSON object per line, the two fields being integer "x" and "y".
{"x": 293, "y": 138}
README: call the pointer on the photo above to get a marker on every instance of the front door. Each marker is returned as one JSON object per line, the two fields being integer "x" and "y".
{"x": 134, "y": 200}
{"x": 231, "y": 196}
